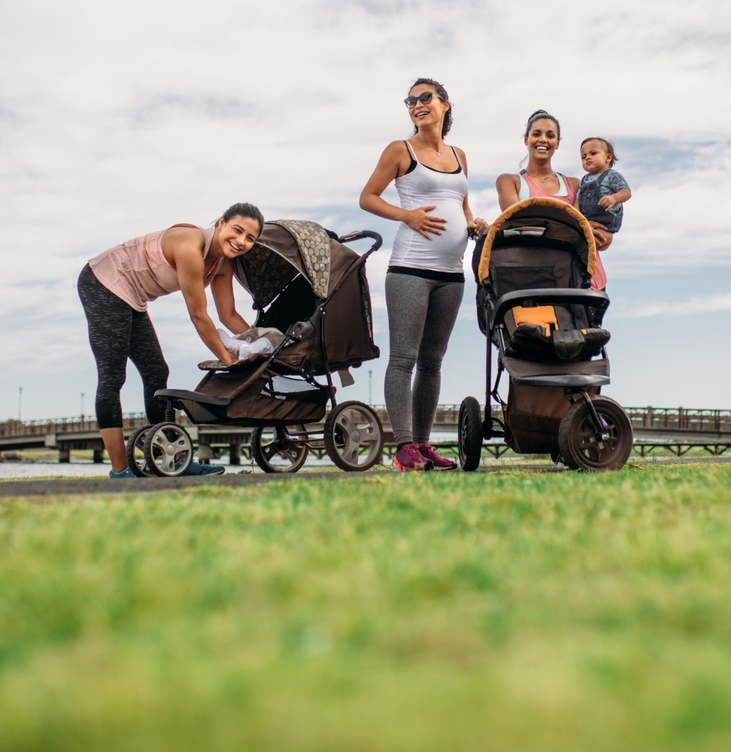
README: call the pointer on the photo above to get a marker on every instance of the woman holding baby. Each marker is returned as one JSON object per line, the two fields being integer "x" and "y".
{"x": 542, "y": 138}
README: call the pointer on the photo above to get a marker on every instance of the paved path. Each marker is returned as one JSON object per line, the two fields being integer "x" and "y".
{"x": 103, "y": 486}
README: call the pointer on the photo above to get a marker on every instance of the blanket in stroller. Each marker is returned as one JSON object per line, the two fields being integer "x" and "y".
{"x": 256, "y": 343}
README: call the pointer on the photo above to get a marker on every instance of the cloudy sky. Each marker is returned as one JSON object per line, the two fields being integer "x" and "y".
{"x": 120, "y": 119}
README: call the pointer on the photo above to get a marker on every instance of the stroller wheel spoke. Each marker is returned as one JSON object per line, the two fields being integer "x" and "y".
{"x": 168, "y": 464}
{"x": 269, "y": 450}
{"x": 345, "y": 423}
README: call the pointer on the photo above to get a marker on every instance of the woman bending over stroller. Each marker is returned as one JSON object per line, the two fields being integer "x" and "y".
{"x": 425, "y": 279}
{"x": 542, "y": 138}
{"x": 115, "y": 288}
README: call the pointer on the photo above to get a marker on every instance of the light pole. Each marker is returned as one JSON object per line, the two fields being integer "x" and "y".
{"x": 82, "y": 407}
{"x": 20, "y": 400}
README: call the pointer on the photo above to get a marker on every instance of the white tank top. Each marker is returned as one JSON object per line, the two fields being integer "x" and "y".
{"x": 424, "y": 186}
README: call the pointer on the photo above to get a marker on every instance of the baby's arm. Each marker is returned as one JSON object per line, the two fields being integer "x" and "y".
{"x": 616, "y": 198}
{"x": 621, "y": 192}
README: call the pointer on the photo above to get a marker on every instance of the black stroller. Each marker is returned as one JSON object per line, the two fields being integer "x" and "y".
{"x": 313, "y": 289}
{"x": 533, "y": 268}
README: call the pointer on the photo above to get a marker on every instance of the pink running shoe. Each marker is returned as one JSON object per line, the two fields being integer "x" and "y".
{"x": 439, "y": 462}
{"x": 410, "y": 458}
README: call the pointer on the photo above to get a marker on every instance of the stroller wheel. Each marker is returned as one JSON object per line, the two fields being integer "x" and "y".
{"x": 353, "y": 436}
{"x": 168, "y": 450}
{"x": 275, "y": 451}
{"x": 138, "y": 465}
{"x": 585, "y": 448}
{"x": 470, "y": 434}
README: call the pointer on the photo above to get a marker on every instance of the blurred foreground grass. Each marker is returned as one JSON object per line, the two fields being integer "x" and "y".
{"x": 507, "y": 611}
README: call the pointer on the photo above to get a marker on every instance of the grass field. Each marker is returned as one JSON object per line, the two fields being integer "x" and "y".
{"x": 507, "y": 611}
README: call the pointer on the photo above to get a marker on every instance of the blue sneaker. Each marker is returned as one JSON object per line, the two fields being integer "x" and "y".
{"x": 197, "y": 469}
{"x": 126, "y": 473}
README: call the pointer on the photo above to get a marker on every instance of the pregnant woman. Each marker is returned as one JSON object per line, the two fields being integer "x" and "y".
{"x": 425, "y": 279}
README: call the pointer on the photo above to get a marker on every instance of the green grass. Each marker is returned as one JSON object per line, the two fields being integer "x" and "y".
{"x": 506, "y": 611}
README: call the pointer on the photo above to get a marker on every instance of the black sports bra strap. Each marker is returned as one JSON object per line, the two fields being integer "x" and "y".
{"x": 459, "y": 161}
{"x": 413, "y": 163}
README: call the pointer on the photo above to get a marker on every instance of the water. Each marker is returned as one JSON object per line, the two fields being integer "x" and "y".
{"x": 88, "y": 469}
{"x": 73, "y": 469}
{"x": 85, "y": 468}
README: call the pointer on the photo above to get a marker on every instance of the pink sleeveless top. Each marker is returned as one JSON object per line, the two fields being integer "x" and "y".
{"x": 599, "y": 280}
{"x": 138, "y": 272}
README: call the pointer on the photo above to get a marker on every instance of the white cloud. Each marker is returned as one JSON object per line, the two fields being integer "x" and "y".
{"x": 694, "y": 305}
{"x": 116, "y": 120}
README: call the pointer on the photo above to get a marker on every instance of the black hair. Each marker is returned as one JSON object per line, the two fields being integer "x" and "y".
{"x": 442, "y": 94}
{"x": 609, "y": 147}
{"x": 541, "y": 115}
{"x": 243, "y": 210}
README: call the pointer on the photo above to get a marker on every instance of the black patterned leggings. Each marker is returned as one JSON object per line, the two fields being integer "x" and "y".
{"x": 118, "y": 332}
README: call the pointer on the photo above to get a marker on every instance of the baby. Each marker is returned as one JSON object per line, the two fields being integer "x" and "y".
{"x": 603, "y": 190}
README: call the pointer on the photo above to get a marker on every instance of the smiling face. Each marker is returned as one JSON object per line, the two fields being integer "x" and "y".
{"x": 595, "y": 157}
{"x": 542, "y": 140}
{"x": 238, "y": 235}
{"x": 427, "y": 114}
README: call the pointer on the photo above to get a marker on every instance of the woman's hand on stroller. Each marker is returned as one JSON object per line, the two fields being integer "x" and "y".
{"x": 422, "y": 222}
{"x": 476, "y": 228}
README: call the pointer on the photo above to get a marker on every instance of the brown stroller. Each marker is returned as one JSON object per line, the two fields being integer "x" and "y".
{"x": 313, "y": 289}
{"x": 533, "y": 269}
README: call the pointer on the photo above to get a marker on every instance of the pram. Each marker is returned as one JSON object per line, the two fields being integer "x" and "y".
{"x": 532, "y": 269}
{"x": 312, "y": 288}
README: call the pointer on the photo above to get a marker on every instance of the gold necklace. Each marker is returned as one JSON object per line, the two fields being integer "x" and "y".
{"x": 438, "y": 153}
{"x": 542, "y": 180}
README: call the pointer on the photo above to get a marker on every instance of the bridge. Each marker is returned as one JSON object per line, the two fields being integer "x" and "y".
{"x": 675, "y": 429}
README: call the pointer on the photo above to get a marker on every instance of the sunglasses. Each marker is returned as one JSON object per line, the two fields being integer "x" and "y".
{"x": 424, "y": 98}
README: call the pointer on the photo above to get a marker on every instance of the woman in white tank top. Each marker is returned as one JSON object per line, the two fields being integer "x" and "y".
{"x": 425, "y": 279}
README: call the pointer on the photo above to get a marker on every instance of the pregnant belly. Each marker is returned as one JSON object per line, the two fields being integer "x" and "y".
{"x": 440, "y": 252}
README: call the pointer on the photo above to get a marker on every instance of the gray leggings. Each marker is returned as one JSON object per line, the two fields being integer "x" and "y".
{"x": 421, "y": 316}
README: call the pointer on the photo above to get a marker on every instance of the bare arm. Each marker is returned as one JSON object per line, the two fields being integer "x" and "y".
{"x": 616, "y": 198}
{"x": 389, "y": 167}
{"x": 475, "y": 225}
{"x": 223, "y": 296}
{"x": 508, "y": 187}
{"x": 189, "y": 263}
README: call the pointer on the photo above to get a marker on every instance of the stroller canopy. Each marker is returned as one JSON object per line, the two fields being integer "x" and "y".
{"x": 555, "y": 222}
{"x": 285, "y": 248}
{"x": 295, "y": 266}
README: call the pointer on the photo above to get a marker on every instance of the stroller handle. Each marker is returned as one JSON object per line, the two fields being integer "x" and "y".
{"x": 359, "y": 234}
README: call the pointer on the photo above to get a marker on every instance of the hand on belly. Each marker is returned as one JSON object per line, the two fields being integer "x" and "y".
{"x": 422, "y": 222}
